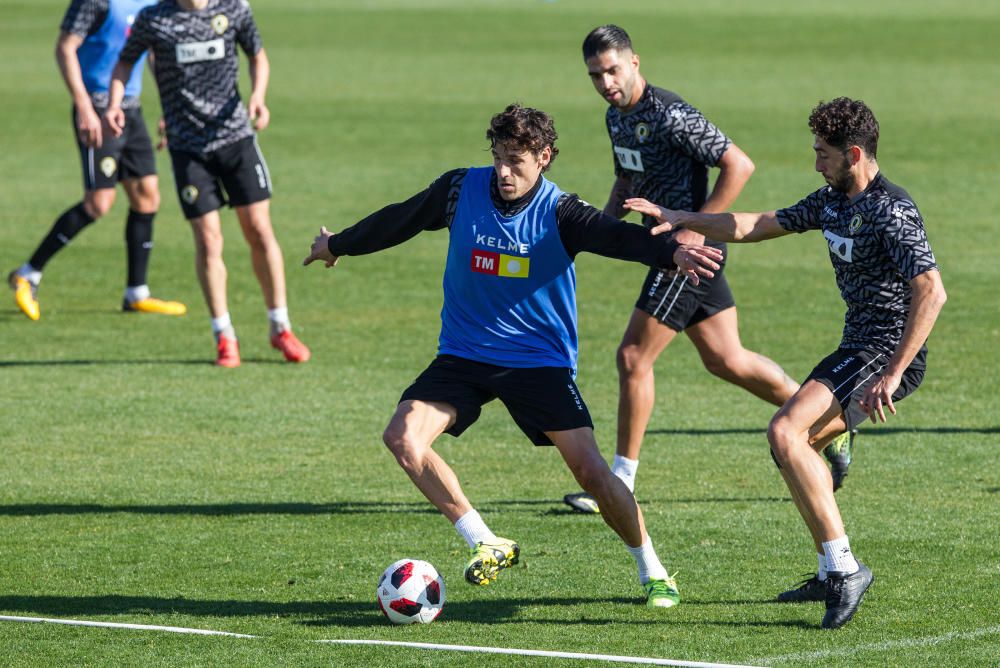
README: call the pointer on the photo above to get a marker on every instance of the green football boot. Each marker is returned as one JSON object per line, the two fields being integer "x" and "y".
{"x": 488, "y": 559}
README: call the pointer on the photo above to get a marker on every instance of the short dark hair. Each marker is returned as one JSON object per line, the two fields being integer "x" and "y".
{"x": 526, "y": 128}
{"x": 605, "y": 38}
{"x": 844, "y": 122}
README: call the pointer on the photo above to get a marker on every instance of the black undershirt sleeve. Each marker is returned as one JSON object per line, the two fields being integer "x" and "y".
{"x": 585, "y": 228}
{"x": 430, "y": 209}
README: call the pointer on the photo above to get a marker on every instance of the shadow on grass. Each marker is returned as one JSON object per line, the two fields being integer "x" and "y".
{"x": 314, "y": 613}
{"x": 218, "y": 509}
{"x": 202, "y": 361}
{"x": 864, "y": 433}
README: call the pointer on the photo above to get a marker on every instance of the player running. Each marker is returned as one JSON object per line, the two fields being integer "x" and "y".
{"x": 92, "y": 34}
{"x": 213, "y": 149}
{"x": 663, "y": 149}
{"x": 509, "y": 329}
{"x": 888, "y": 277}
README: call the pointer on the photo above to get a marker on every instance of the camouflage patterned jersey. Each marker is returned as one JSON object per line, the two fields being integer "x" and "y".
{"x": 665, "y": 146}
{"x": 877, "y": 245}
{"x": 196, "y": 66}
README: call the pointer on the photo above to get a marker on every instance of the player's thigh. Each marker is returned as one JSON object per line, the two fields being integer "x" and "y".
{"x": 143, "y": 193}
{"x": 578, "y": 448}
{"x": 207, "y": 232}
{"x": 644, "y": 339}
{"x": 717, "y": 336}
{"x": 244, "y": 173}
{"x": 416, "y": 424}
{"x": 138, "y": 159}
{"x": 812, "y": 410}
{"x": 255, "y": 222}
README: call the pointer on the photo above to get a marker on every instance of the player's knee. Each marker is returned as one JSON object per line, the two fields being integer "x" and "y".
{"x": 98, "y": 202}
{"x": 402, "y": 446}
{"x": 726, "y": 367}
{"x": 781, "y": 438}
{"x": 631, "y": 361}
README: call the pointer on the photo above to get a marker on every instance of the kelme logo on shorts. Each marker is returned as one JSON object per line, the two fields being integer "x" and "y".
{"x": 856, "y": 222}
{"x": 108, "y": 166}
{"x": 220, "y": 23}
{"x": 189, "y": 194}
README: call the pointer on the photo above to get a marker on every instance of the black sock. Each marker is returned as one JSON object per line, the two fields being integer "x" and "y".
{"x": 65, "y": 228}
{"x": 139, "y": 242}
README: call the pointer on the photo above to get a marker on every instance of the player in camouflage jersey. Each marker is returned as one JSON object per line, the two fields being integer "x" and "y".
{"x": 92, "y": 34}
{"x": 663, "y": 149}
{"x": 213, "y": 148}
{"x": 890, "y": 281}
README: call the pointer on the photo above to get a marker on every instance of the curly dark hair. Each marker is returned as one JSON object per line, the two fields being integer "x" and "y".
{"x": 605, "y": 38}
{"x": 844, "y": 122}
{"x": 526, "y": 128}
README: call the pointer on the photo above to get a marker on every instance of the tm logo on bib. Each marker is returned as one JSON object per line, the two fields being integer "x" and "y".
{"x": 498, "y": 264}
{"x": 839, "y": 246}
{"x": 197, "y": 52}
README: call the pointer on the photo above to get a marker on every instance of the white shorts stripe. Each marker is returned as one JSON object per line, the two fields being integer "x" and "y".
{"x": 672, "y": 301}
{"x": 858, "y": 373}
{"x": 263, "y": 164}
{"x": 91, "y": 176}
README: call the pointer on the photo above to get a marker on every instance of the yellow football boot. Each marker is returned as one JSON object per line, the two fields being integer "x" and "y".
{"x": 154, "y": 305}
{"x": 25, "y": 295}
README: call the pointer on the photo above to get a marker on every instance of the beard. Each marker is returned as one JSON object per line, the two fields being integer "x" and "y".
{"x": 842, "y": 180}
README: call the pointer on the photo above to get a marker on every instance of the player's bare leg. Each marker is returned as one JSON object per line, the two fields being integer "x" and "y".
{"x": 809, "y": 413}
{"x": 208, "y": 263}
{"x": 718, "y": 342}
{"x": 265, "y": 252}
{"x": 410, "y": 436}
{"x": 618, "y": 509}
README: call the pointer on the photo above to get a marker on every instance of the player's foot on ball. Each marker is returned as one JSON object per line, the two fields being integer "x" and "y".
{"x": 293, "y": 349}
{"x": 843, "y": 595}
{"x": 154, "y": 305}
{"x": 839, "y": 453}
{"x": 228, "y": 351}
{"x": 582, "y": 502}
{"x": 810, "y": 589}
{"x": 662, "y": 593}
{"x": 488, "y": 559}
{"x": 25, "y": 295}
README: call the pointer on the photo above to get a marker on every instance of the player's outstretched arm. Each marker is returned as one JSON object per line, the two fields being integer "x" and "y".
{"x": 321, "y": 250}
{"x": 735, "y": 227}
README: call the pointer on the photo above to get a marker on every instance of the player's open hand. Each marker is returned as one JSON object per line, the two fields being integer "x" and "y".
{"x": 115, "y": 118}
{"x": 695, "y": 261}
{"x": 88, "y": 126}
{"x": 878, "y": 396}
{"x": 321, "y": 250}
{"x": 663, "y": 216}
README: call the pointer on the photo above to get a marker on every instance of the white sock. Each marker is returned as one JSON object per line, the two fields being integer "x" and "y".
{"x": 27, "y": 271}
{"x": 223, "y": 325}
{"x": 649, "y": 564}
{"x": 136, "y": 293}
{"x": 821, "y": 569}
{"x": 839, "y": 557}
{"x": 473, "y": 529}
{"x": 278, "y": 317}
{"x": 625, "y": 468}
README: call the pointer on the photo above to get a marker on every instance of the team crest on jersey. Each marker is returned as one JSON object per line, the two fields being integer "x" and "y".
{"x": 642, "y": 132}
{"x": 220, "y": 23}
{"x": 189, "y": 194}
{"x": 108, "y": 166}
{"x": 856, "y": 222}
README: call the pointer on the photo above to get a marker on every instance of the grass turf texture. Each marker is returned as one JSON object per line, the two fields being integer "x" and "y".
{"x": 139, "y": 484}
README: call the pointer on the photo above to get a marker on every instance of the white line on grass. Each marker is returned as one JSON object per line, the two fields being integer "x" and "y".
{"x": 535, "y": 652}
{"x": 882, "y": 646}
{"x": 419, "y": 645}
{"x": 114, "y": 625}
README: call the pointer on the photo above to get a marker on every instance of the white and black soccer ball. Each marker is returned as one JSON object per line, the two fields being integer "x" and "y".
{"x": 410, "y": 591}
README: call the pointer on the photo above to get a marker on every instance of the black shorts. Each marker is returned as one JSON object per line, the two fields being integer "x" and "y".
{"x": 126, "y": 157}
{"x": 848, "y": 373}
{"x": 539, "y": 399}
{"x": 674, "y": 300}
{"x": 235, "y": 174}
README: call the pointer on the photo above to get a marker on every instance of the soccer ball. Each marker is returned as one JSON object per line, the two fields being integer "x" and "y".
{"x": 410, "y": 591}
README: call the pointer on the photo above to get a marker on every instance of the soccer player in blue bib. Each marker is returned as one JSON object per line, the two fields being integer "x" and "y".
{"x": 890, "y": 281}
{"x": 92, "y": 34}
{"x": 509, "y": 327}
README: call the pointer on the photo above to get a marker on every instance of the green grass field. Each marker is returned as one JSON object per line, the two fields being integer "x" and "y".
{"x": 138, "y": 484}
